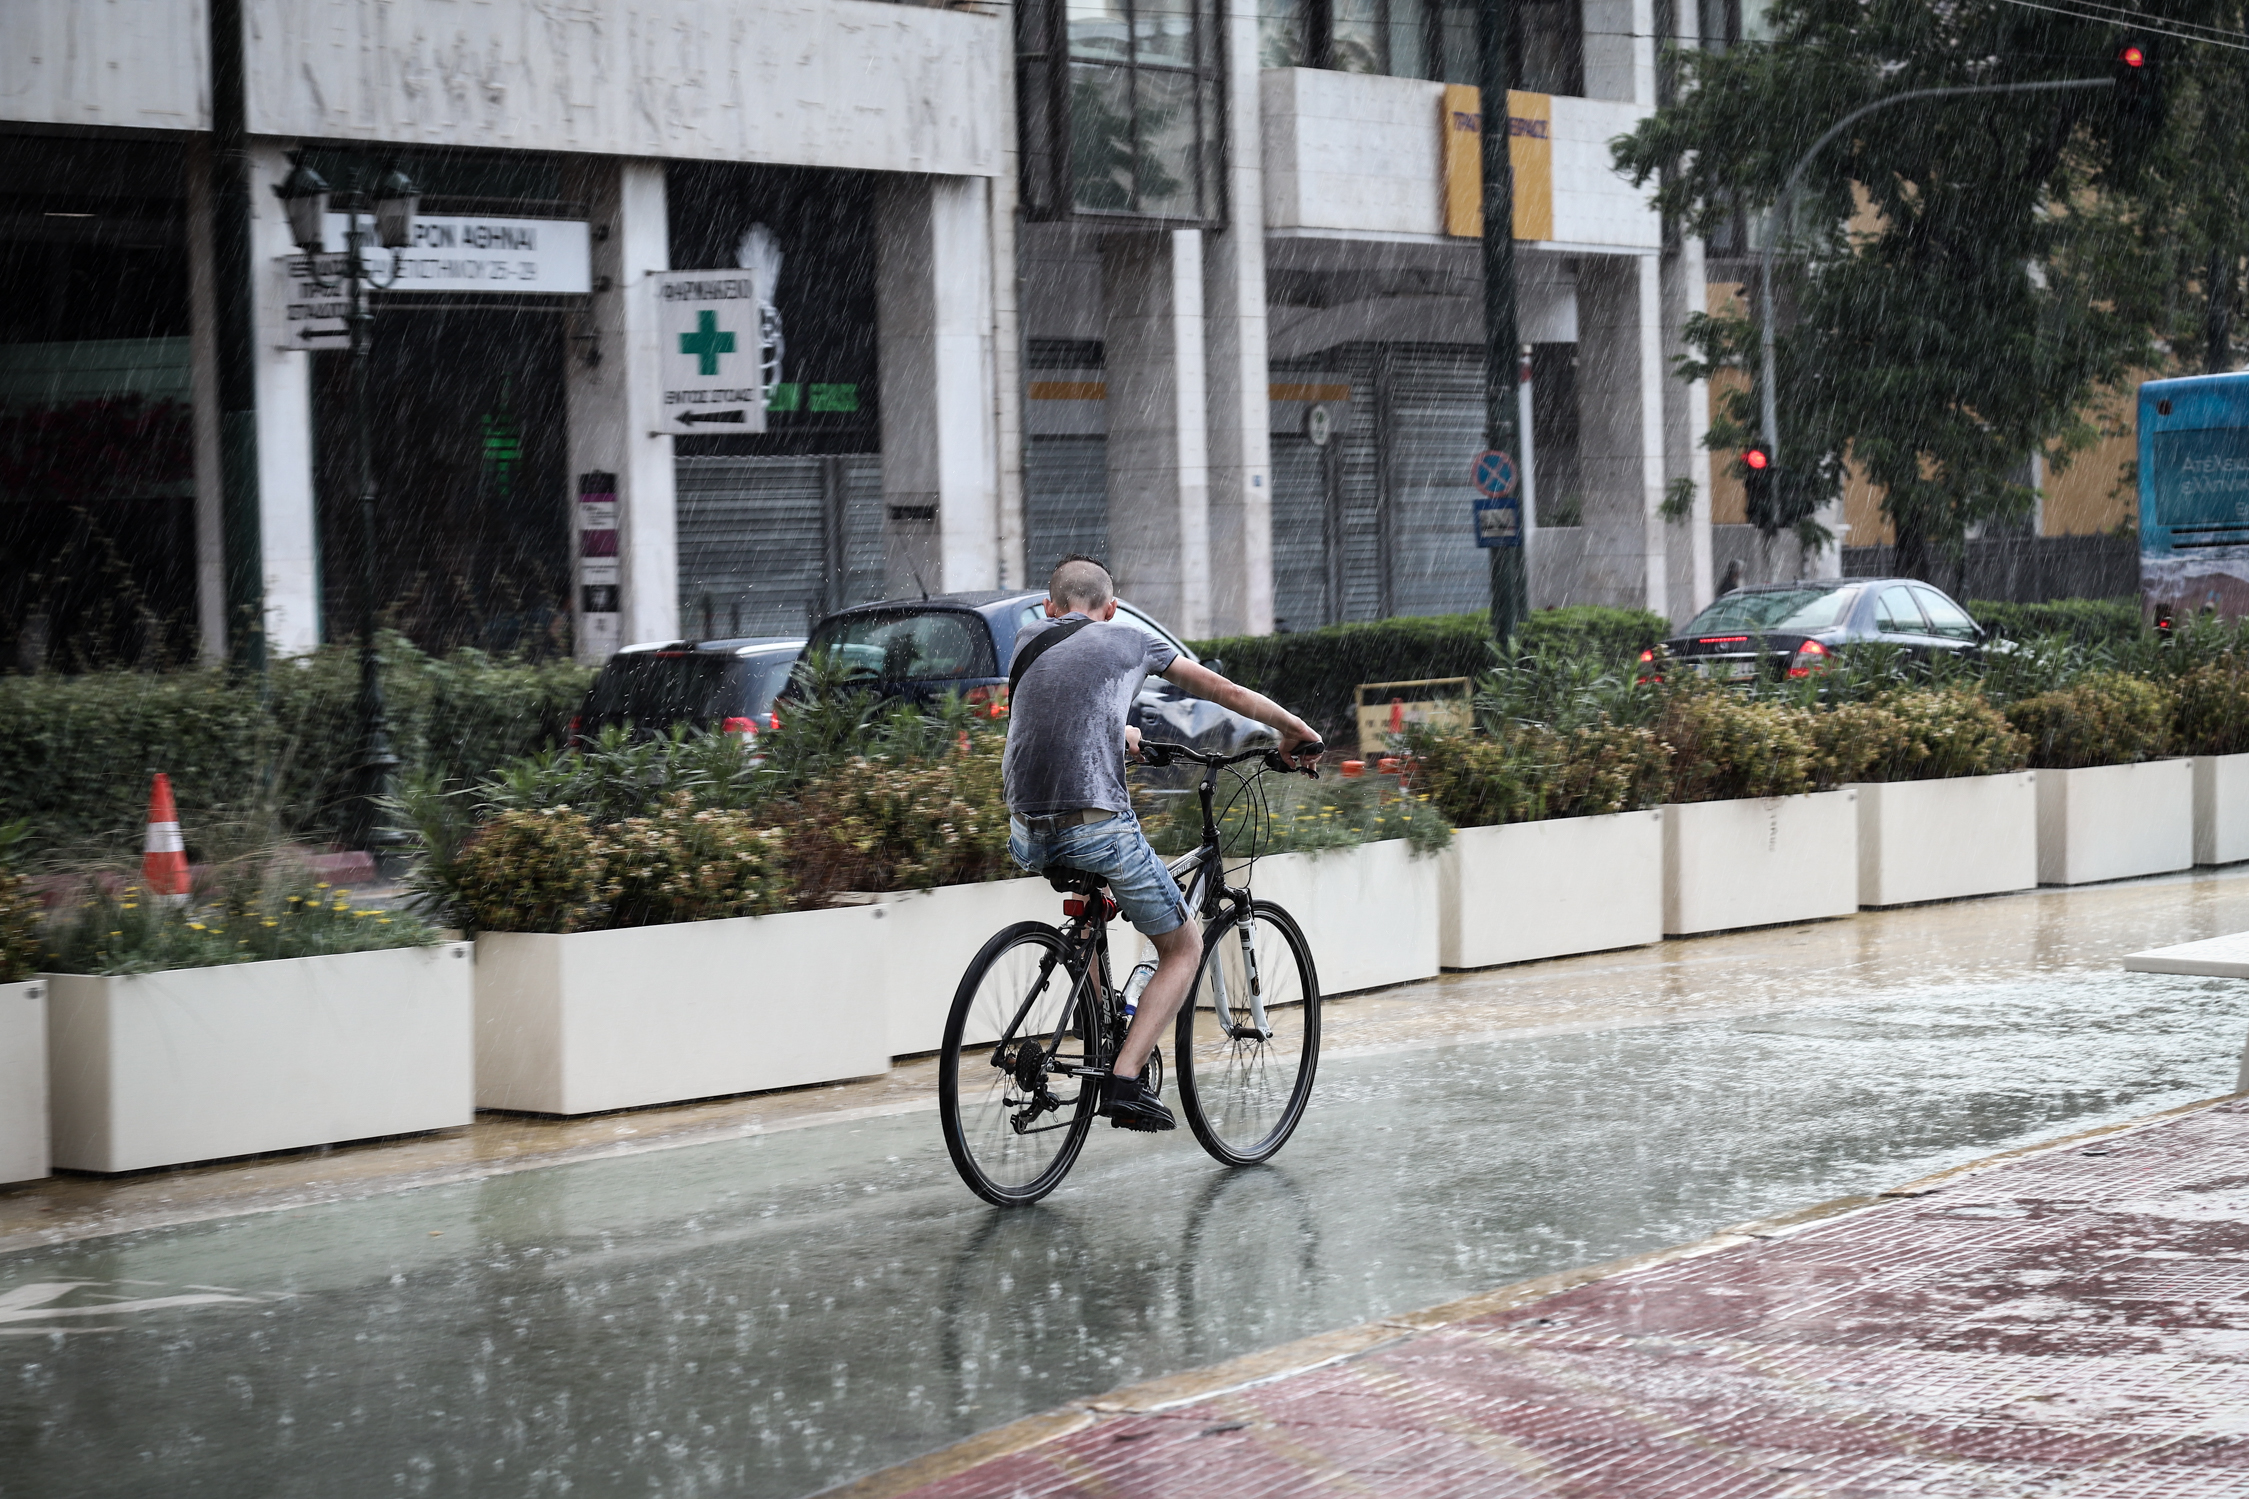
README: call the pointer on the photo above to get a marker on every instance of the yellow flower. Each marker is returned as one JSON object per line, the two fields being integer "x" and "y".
{"x": 132, "y": 906}
{"x": 382, "y": 921}
{"x": 320, "y": 885}
{"x": 271, "y": 922}
{"x": 196, "y": 926}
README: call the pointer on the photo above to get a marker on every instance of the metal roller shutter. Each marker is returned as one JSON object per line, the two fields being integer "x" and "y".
{"x": 1065, "y": 501}
{"x": 767, "y": 544}
{"x": 1434, "y": 405}
{"x": 1300, "y": 535}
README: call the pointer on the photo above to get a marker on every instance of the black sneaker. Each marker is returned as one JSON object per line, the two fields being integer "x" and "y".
{"x": 1129, "y": 1105}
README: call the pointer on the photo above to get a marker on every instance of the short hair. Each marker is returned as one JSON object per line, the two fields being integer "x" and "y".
{"x": 1081, "y": 581}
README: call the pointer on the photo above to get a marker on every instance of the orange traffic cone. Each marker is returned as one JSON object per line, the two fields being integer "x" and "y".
{"x": 163, "y": 855}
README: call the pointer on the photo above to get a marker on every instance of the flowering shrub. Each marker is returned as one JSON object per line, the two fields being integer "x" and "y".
{"x": 527, "y": 870}
{"x": 1292, "y": 814}
{"x": 2213, "y": 710}
{"x": 685, "y": 864}
{"x": 1725, "y": 747}
{"x": 19, "y": 912}
{"x": 2104, "y": 718}
{"x": 906, "y": 824}
{"x": 1529, "y": 772}
{"x": 252, "y": 920}
{"x": 1916, "y": 735}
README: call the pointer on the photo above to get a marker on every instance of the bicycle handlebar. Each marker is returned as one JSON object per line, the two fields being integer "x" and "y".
{"x": 1156, "y": 752}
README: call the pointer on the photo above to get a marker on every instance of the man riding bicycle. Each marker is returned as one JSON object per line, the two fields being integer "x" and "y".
{"x": 1067, "y": 739}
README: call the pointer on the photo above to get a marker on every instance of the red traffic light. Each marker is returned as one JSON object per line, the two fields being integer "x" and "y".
{"x": 1756, "y": 458}
{"x": 2132, "y": 57}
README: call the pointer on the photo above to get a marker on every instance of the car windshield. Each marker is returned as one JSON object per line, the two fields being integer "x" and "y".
{"x": 1807, "y": 608}
{"x": 655, "y": 689}
{"x": 942, "y": 645}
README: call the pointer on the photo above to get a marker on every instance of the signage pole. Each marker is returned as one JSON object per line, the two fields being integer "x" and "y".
{"x": 1495, "y": 26}
{"x": 241, "y": 539}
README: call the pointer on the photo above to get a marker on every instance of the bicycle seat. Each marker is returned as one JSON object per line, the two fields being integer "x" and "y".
{"x": 1076, "y": 881}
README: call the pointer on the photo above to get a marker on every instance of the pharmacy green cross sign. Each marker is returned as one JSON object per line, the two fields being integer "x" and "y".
{"x": 706, "y": 342}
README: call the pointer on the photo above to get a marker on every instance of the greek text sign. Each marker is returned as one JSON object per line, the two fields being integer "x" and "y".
{"x": 708, "y": 352}
{"x": 450, "y": 254}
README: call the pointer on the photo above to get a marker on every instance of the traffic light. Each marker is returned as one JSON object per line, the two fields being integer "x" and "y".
{"x": 1757, "y": 475}
{"x": 2137, "y": 66}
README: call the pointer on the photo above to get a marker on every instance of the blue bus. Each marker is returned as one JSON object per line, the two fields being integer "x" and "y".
{"x": 2194, "y": 495}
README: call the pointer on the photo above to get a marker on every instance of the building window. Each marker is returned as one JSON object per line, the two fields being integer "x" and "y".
{"x": 1423, "y": 39}
{"x": 1122, "y": 112}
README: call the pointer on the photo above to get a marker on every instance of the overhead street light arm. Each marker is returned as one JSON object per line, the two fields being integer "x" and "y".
{"x": 1768, "y": 402}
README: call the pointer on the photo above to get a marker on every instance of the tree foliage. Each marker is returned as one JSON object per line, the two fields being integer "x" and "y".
{"x": 1968, "y": 278}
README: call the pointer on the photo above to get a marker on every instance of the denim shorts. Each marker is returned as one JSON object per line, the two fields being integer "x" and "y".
{"x": 1116, "y": 850}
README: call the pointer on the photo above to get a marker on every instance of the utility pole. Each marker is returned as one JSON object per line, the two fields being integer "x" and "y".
{"x": 1495, "y": 42}
{"x": 239, "y": 524}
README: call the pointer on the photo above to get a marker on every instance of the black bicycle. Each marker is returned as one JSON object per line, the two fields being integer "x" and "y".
{"x": 1036, "y": 1022}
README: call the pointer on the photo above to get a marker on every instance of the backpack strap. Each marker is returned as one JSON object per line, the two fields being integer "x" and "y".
{"x": 1038, "y": 648}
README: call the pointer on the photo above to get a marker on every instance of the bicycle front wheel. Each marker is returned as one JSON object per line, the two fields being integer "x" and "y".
{"x": 1014, "y": 1115}
{"x": 1246, "y": 1053}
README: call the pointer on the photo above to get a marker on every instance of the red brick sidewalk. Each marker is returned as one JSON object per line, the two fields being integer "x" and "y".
{"x": 2070, "y": 1321}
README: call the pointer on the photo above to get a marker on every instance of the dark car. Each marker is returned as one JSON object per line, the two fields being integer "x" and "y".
{"x": 1793, "y": 629}
{"x": 727, "y": 685}
{"x": 921, "y": 649}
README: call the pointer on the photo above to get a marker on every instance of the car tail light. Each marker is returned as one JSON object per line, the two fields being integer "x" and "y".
{"x": 773, "y": 720}
{"x": 990, "y": 702}
{"x": 1720, "y": 640}
{"x": 1810, "y": 657}
{"x": 746, "y": 727}
{"x": 1647, "y": 661}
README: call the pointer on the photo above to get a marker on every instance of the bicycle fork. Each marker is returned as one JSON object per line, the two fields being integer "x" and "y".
{"x": 1257, "y": 1028}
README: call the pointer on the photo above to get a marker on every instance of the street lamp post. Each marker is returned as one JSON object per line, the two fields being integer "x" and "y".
{"x": 1769, "y": 409}
{"x": 305, "y": 195}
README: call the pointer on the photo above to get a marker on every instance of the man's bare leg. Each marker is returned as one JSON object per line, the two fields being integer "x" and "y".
{"x": 1178, "y": 952}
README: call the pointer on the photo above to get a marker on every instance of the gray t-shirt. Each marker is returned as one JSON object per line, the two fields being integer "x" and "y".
{"x": 1066, "y": 722}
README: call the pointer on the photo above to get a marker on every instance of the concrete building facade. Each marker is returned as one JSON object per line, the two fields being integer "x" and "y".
{"x": 1227, "y": 334}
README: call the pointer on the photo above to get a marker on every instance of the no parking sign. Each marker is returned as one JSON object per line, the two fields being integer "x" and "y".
{"x": 1498, "y": 515}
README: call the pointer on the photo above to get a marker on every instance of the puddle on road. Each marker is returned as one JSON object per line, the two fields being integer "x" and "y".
{"x": 771, "y": 1315}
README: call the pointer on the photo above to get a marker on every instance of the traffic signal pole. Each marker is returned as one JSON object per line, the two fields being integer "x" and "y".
{"x": 1495, "y": 42}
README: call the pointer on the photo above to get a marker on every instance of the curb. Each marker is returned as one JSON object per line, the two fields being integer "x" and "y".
{"x": 1305, "y": 1354}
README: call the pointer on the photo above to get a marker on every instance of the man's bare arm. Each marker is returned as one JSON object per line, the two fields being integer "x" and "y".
{"x": 1232, "y": 696}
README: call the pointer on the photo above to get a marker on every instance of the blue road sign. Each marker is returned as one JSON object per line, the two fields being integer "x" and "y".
{"x": 1494, "y": 474}
{"x": 1499, "y": 523}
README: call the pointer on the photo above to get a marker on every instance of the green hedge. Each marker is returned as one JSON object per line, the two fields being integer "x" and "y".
{"x": 77, "y": 752}
{"x": 2086, "y": 621}
{"x": 1315, "y": 672}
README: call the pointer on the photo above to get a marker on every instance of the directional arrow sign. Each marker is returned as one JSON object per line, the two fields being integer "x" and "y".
{"x": 708, "y": 350}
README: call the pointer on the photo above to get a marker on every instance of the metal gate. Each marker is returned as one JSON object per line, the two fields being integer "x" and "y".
{"x": 769, "y": 544}
{"x": 1065, "y": 501}
{"x": 1433, "y": 425}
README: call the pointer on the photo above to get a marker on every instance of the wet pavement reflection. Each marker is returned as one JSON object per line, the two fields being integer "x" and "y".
{"x": 770, "y": 1315}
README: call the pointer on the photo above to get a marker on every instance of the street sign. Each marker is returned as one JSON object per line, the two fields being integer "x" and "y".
{"x": 1494, "y": 474}
{"x": 1499, "y": 522}
{"x": 710, "y": 352}
{"x": 453, "y": 253}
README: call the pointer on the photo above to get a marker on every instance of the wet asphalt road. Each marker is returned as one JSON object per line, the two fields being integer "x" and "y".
{"x": 771, "y": 1315}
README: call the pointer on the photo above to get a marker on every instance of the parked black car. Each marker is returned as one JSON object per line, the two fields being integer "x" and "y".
{"x": 1793, "y": 629}
{"x": 921, "y": 649}
{"x": 727, "y": 685}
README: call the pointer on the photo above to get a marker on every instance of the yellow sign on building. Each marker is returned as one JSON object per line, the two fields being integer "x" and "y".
{"x": 1530, "y": 152}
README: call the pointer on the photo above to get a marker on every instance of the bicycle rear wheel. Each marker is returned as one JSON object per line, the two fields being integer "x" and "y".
{"x": 1244, "y": 1085}
{"x": 1014, "y": 1117}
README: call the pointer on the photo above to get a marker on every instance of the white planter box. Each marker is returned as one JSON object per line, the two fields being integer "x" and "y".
{"x": 929, "y": 938}
{"x": 198, "y": 1064}
{"x": 2111, "y": 822}
{"x": 615, "y": 1020}
{"x": 2221, "y": 809}
{"x": 1758, "y": 863}
{"x": 1545, "y": 889}
{"x": 1370, "y": 912}
{"x": 1940, "y": 840}
{"x": 23, "y": 1081}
